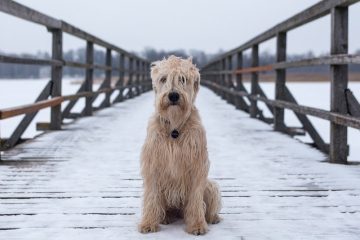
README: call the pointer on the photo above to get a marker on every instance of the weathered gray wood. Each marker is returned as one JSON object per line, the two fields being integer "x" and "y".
{"x": 107, "y": 81}
{"x": 338, "y": 59}
{"x": 21, "y": 11}
{"x": 337, "y": 118}
{"x": 352, "y": 104}
{"x": 71, "y": 104}
{"x": 56, "y": 185}
{"x": 240, "y": 103}
{"x": 89, "y": 78}
{"x": 308, "y": 126}
{"x": 25, "y": 122}
{"x": 312, "y": 13}
{"x": 56, "y": 78}
{"x": 120, "y": 82}
{"x": 279, "y": 113}
{"x": 28, "y": 61}
{"x": 339, "y": 83}
{"x": 131, "y": 77}
{"x": 230, "y": 78}
{"x": 254, "y": 80}
{"x": 137, "y": 77}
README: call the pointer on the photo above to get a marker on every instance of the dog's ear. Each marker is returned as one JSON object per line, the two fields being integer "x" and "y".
{"x": 154, "y": 70}
{"x": 196, "y": 74}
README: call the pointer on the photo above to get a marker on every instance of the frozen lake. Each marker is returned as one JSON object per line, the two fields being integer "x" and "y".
{"x": 18, "y": 92}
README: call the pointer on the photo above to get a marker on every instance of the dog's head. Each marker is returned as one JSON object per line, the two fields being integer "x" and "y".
{"x": 176, "y": 84}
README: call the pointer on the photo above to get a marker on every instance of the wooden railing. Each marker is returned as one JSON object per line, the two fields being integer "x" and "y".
{"x": 136, "y": 72}
{"x": 227, "y": 80}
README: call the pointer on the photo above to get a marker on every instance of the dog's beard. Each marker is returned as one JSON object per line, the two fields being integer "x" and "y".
{"x": 174, "y": 114}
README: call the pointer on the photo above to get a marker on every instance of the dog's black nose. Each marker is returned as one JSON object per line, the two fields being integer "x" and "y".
{"x": 174, "y": 97}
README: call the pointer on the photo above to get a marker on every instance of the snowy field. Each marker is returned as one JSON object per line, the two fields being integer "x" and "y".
{"x": 18, "y": 92}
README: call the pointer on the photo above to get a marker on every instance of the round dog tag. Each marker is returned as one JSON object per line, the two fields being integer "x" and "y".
{"x": 175, "y": 134}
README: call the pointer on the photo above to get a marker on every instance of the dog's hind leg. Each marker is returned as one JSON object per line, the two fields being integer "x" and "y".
{"x": 212, "y": 199}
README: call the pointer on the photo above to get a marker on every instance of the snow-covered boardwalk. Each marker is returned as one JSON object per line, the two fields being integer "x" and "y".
{"x": 83, "y": 182}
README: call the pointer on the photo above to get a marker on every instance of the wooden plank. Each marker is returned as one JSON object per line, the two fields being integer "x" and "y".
{"x": 308, "y": 126}
{"x": 25, "y": 122}
{"x": 18, "y": 10}
{"x": 339, "y": 83}
{"x": 310, "y": 14}
{"x": 131, "y": 77}
{"x": 43, "y": 126}
{"x": 72, "y": 102}
{"x": 107, "y": 81}
{"x": 254, "y": 80}
{"x": 353, "y": 105}
{"x": 29, "y": 108}
{"x": 38, "y": 197}
{"x": 120, "y": 81}
{"x": 137, "y": 77}
{"x": 89, "y": 78}
{"x": 240, "y": 103}
{"x": 230, "y": 78}
{"x": 29, "y": 61}
{"x": 337, "y": 118}
{"x": 255, "y": 69}
{"x": 261, "y": 92}
{"x": 338, "y": 59}
{"x": 56, "y": 78}
{"x": 279, "y": 113}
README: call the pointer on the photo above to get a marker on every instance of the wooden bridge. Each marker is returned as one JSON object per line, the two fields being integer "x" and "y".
{"x": 81, "y": 180}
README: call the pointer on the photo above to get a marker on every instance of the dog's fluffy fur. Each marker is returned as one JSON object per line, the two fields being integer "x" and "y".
{"x": 175, "y": 171}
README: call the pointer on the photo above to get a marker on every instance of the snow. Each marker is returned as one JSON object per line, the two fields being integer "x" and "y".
{"x": 315, "y": 94}
{"x": 18, "y": 92}
{"x": 83, "y": 182}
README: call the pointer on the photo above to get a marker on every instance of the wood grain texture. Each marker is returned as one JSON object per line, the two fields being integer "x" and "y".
{"x": 92, "y": 189}
{"x": 339, "y": 83}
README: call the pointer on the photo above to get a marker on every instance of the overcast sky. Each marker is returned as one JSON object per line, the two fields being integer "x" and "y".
{"x": 207, "y": 25}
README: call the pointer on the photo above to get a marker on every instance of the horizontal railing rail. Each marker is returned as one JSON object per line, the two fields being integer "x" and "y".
{"x": 224, "y": 75}
{"x": 133, "y": 74}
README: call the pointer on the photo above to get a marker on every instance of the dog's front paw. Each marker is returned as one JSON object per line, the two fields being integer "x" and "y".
{"x": 148, "y": 228}
{"x": 214, "y": 219}
{"x": 197, "y": 229}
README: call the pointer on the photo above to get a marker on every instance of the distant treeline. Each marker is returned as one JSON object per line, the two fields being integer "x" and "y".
{"x": 10, "y": 71}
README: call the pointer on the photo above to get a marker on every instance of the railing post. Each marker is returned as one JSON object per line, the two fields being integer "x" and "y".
{"x": 240, "y": 102}
{"x": 279, "y": 124}
{"x": 254, "y": 81}
{"x": 108, "y": 75}
{"x": 143, "y": 69}
{"x": 230, "y": 82}
{"x": 89, "y": 75}
{"x": 120, "y": 82}
{"x": 56, "y": 78}
{"x": 131, "y": 76}
{"x": 137, "y": 70}
{"x": 223, "y": 78}
{"x": 339, "y": 83}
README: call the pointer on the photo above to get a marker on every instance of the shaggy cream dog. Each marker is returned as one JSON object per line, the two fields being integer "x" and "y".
{"x": 174, "y": 158}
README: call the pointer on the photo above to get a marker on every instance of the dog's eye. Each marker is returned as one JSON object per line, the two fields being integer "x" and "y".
{"x": 163, "y": 80}
{"x": 182, "y": 80}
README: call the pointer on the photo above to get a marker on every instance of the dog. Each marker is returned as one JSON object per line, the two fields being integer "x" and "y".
{"x": 174, "y": 157}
